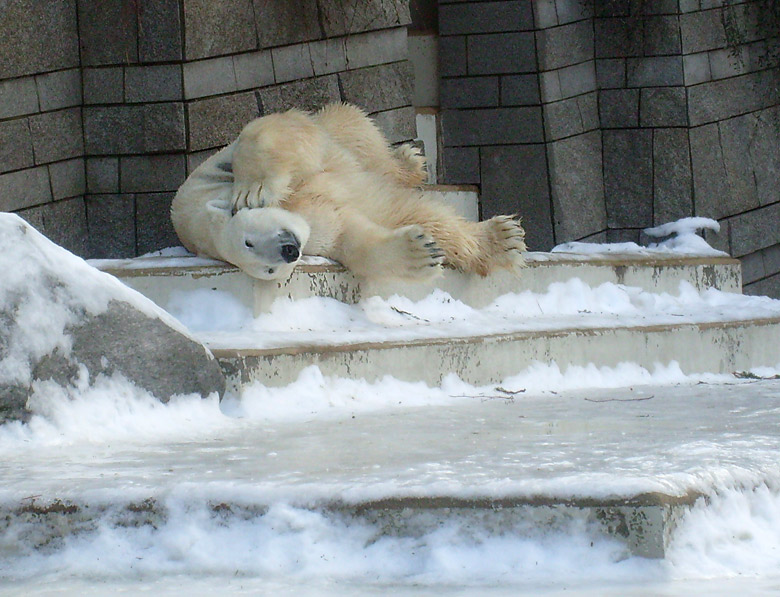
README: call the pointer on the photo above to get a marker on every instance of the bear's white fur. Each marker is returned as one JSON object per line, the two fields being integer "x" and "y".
{"x": 329, "y": 184}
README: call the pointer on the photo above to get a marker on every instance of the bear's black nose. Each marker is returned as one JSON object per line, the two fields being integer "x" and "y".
{"x": 290, "y": 253}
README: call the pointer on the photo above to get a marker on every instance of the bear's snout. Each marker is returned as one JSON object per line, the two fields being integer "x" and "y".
{"x": 290, "y": 246}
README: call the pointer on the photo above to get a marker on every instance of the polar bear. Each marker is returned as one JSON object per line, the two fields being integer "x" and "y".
{"x": 328, "y": 183}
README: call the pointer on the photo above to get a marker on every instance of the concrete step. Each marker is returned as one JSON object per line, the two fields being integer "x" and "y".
{"x": 159, "y": 277}
{"x": 697, "y": 347}
{"x": 627, "y": 463}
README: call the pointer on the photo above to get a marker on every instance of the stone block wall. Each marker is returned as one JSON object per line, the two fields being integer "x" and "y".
{"x": 597, "y": 119}
{"x": 107, "y": 108}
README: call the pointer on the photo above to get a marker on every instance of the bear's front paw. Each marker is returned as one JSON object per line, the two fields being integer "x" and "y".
{"x": 247, "y": 195}
{"x": 419, "y": 257}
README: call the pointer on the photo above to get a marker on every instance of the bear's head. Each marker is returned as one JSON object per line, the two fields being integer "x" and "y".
{"x": 265, "y": 242}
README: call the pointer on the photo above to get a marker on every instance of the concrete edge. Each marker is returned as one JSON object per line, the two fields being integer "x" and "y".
{"x": 222, "y": 353}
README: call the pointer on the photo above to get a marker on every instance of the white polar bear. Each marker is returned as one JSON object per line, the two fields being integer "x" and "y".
{"x": 329, "y": 184}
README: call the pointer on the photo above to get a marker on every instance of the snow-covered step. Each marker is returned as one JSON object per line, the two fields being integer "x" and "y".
{"x": 160, "y": 278}
{"x": 716, "y": 346}
{"x": 612, "y": 472}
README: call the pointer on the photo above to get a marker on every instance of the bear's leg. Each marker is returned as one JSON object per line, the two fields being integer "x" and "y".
{"x": 373, "y": 251}
{"x": 354, "y": 131}
{"x": 474, "y": 247}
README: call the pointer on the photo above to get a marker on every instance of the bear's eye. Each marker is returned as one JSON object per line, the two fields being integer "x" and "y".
{"x": 249, "y": 244}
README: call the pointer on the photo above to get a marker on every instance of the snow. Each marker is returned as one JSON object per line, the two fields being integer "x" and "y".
{"x": 47, "y": 288}
{"x": 683, "y": 240}
{"x": 220, "y": 321}
{"x": 277, "y": 452}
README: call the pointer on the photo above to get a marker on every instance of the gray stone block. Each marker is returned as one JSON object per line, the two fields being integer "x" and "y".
{"x": 469, "y": 92}
{"x": 33, "y": 216}
{"x": 376, "y": 47}
{"x": 628, "y": 178}
{"x": 485, "y": 17}
{"x": 281, "y": 23}
{"x": 108, "y": 35}
{"x": 354, "y": 16}
{"x": 111, "y": 220}
{"x": 736, "y": 144}
{"x": 719, "y": 240}
{"x": 24, "y": 188}
{"x": 292, "y": 63}
{"x": 102, "y": 175}
{"x": 18, "y": 97}
{"x": 619, "y": 108}
{"x": 577, "y": 186}
{"x": 566, "y": 45}
{"x": 661, "y": 35}
{"x": 211, "y": 77}
{"x": 701, "y": 31}
{"x": 617, "y": 38}
{"x": 378, "y": 88}
{"x": 752, "y": 267}
{"x": 659, "y": 7}
{"x": 569, "y": 11}
{"x": 16, "y": 149}
{"x": 397, "y": 125}
{"x": 308, "y": 94}
{"x": 492, "y": 126}
{"x": 520, "y": 90}
{"x": 104, "y": 85}
{"x": 771, "y": 257}
{"x": 37, "y": 37}
{"x": 550, "y": 86}
{"x": 328, "y": 56}
{"x": 61, "y": 89}
{"x": 460, "y": 165}
{"x": 253, "y": 69}
{"x": 577, "y": 79}
{"x": 570, "y": 117}
{"x": 767, "y": 287}
{"x": 663, "y": 106}
{"x": 128, "y": 129}
{"x": 160, "y": 31}
{"x": 624, "y": 235}
{"x": 754, "y": 230}
{"x": 153, "y": 222}
{"x": 65, "y": 224}
{"x": 501, "y": 53}
{"x": 68, "y": 179}
{"x": 57, "y": 135}
{"x": 217, "y": 121}
{"x": 764, "y": 152}
{"x": 719, "y": 100}
{"x": 656, "y": 71}
{"x": 696, "y": 68}
{"x": 611, "y": 73}
{"x": 545, "y": 14}
{"x": 672, "y": 180}
{"x": 709, "y": 174}
{"x": 154, "y": 83}
{"x": 725, "y": 63}
{"x": 452, "y": 56}
{"x": 151, "y": 173}
{"x": 514, "y": 181}
{"x": 689, "y": 5}
{"x": 196, "y": 159}
{"x": 218, "y": 28}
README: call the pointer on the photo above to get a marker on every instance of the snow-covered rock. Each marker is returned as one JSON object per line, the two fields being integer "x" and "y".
{"x": 62, "y": 320}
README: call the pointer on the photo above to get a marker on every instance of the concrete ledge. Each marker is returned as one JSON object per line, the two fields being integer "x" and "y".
{"x": 158, "y": 277}
{"x": 644, "y": 523}
{"x": 718, "y": 347}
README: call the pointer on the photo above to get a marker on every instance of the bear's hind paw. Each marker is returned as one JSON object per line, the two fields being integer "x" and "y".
{"x": 419, "y": 256}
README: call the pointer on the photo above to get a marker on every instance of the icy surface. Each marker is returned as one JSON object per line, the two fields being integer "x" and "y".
{"x": 318, "y": 438}
{"x": 220, "y": 321}
{"x": 684, "y": 241}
